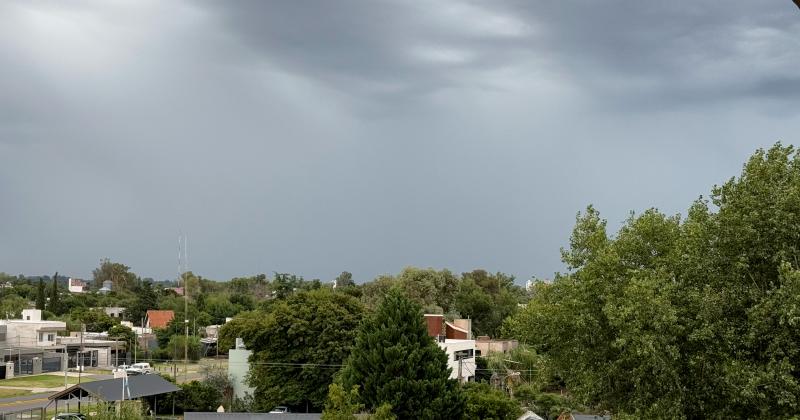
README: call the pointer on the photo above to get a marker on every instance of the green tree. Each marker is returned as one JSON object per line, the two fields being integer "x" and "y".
{"x": 487, "y": 299}
{"x": 297, "y": 345}
{"x": 144, "y": 300}
{"x": 41, "y": 296}
{"x": 121, "y": 332}
{"x": 119, "y": 274}
{"x": 691, "y": 318}
{"x": 96, "y": 320}
{"x": 345, "y": 279}
{"x": 55, "y": 304}
{"x": 487, "y": 403}
{"x": 11, "y": 306}
{"x": 198, "y": 396}
{"x": 176, "y": 349}
{"x": 245, "y": 325}
{"x": 397, "y": 363}
{"x": 341, "y": 404}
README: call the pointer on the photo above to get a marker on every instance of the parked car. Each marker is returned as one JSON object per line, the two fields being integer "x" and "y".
{"x": 142, "y": 367}
{"x": 280, "y": 410}
{"x": 133, "y": 372}
{"x": 69, "y": 416}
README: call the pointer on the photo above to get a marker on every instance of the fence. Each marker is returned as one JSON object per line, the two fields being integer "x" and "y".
{"x": 28, "y": 414}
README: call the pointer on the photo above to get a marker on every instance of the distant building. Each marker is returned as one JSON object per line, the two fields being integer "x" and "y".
{"x": 238, "y": 367}
{"x": 486, "y": 345}
{"x": 30, "y": 344}
{"x": 177, "y": 290}
{"x": 30, "y": 331}
{"x": 457, "y": 342}
{"x": 107, "y": 287}
{"x": 96, "y": 349}
{"x": 158, "y": 318}
{"x": 114, "y": 311}
{"x": 76, "y": 285}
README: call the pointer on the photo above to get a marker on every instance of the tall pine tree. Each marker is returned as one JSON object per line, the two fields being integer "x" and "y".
{"x": 41, "y": 298}
{"x": 55, "y": 305}
{"x": 395, "y": 362}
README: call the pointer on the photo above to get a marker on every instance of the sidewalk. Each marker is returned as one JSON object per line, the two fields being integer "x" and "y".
{"x": 33, "y": 390}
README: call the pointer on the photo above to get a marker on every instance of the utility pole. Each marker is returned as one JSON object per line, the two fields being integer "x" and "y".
{"x": 65, "y": 361}
{"x": 80, "y": 367}
{"x": 80, "y": 356}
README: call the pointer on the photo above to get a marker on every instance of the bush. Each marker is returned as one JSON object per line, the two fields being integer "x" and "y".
{"x": 485, "y": 402}
{"x": 175, "y": 347}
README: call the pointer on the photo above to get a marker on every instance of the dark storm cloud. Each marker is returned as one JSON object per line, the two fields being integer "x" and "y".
{"x": 663, "y": 53}
{"x": 366, "y": 136}
{"x": 384, "y": 49}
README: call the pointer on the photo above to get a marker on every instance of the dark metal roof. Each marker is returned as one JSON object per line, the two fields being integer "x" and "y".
{"x": 251, "y": 416}
{"x": 111, "y": 389}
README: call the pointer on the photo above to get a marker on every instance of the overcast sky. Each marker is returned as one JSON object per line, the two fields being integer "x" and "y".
{"x": 315, "y": 137}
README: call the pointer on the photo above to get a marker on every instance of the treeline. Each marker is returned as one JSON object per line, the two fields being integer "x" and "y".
{"x": 682, "y": 317}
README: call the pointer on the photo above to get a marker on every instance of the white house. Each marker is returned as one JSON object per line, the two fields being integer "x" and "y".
{"x": 114, "y": 311}
{"x": 30, "y": 331}
{"x": 457, "y": 342}
{"x": 76, "y": 285}
{"x": 460, "y": 358}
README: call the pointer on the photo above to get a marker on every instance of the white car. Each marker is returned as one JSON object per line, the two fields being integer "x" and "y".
{"x": 141, "y": 367}
{"x": 280, "y": 410}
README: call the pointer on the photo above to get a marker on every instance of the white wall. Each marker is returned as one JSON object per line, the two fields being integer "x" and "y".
{"x": 26, "y": 333}
{"x": 467, "y": 365}
{"x": 238, "y": 366}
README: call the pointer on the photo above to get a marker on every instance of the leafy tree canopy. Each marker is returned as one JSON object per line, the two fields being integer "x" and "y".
{"x": 683, "y": 318}
{"x": 397, "y": 363}
{"x": 298, "y": 345}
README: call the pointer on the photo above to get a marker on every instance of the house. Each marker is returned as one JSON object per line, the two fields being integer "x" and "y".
{"x": 486, "y": 345}
{"x": 30, "y": 344}
{"x": 77, "y": 285}
{"x": 114, "y": 311}
{"x": 529, "y": 415}
{"x": 93, "y": 349}
{"x": 177, "y": 290}
{"x": 30, "y": 331}
{"x": 457, "y": 342}
{"x": 158, "y": 318}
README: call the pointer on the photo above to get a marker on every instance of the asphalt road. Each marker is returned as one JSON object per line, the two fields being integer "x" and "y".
{"x": 24, "y": 402}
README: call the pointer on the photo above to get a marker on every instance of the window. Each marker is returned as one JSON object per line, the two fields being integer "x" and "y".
{"x": 462, "y": 354}
{"x": 48, "y": 337}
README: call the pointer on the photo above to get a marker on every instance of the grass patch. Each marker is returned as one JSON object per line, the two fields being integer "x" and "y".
{"x": 41, "y": 381}
{"x": 9, "y": 393}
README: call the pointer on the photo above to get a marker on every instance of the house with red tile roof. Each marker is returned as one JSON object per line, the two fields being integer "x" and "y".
{"x": 158, "y": 318}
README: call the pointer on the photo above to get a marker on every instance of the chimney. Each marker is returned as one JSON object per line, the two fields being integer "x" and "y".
{"x": 434, "y": 324}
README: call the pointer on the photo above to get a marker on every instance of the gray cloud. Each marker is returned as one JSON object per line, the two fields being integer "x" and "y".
{"x": 366, "y": 136}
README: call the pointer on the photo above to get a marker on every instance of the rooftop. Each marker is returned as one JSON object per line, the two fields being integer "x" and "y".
{"x": 159, "y": 318}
